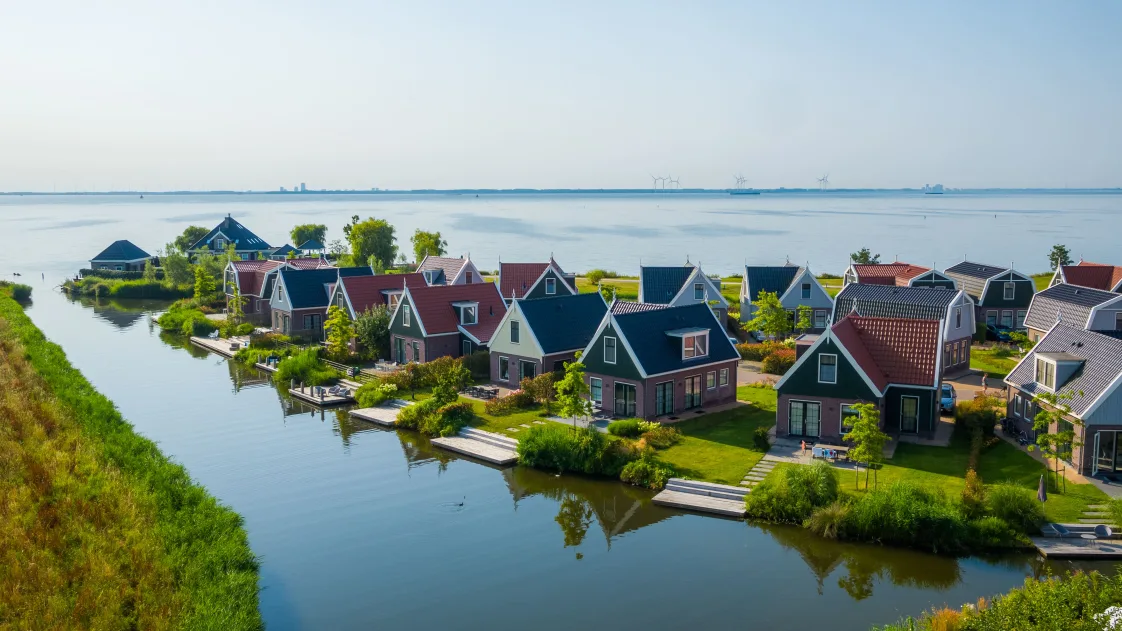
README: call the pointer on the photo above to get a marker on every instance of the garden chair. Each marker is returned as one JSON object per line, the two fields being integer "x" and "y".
{"x": 1060, "y": 531}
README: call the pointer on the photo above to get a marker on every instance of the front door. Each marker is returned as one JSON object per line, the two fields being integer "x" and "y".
{"x": 625, "y": 400}
{"x": 467, "y": 348}
{"x": 399, "y": 350}
{"x": 1105, "y": 444}
{"x": 526, "y": 370}
{"x": 909, "y": 414}
{"x": 693, "y": 393}
{"x": 664, "y": 398}
{"x": 804, "y": 418}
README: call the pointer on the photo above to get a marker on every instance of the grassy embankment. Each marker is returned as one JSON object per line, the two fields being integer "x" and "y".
{"x": 99, "y": 529}
{"x": 1042, "y": 280}
{"x": 118, "y": 288}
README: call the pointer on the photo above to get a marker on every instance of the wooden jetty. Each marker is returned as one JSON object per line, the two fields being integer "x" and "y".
{"x": 1073, "y": 546}
{"x": 217, "y": 345}
{"x": 317, "y": 395}
{"x": 485, "y": 446}
{"x": 705, "y": 497}
{"x": 270, "y": 368}
{"x": 384, "y": 415}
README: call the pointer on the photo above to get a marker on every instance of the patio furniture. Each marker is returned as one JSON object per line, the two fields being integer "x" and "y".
{"x": 1090, "y": 537}
{"x": 1102, "y": 531}
{"x": 1060, "y": 530}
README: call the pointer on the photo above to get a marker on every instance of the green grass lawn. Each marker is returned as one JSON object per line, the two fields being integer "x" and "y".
{"x": 718, "y": 447}
{"x": 1041, "y": 280}
{"x": 996, "y": 361}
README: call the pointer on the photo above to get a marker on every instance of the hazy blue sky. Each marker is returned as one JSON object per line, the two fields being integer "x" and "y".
{"x": 568, "y": 94}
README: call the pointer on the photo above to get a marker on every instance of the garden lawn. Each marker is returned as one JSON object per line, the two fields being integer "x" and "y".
{"x": 717, "y": 447}
{"x": 626, "y": 288}
{"x": 1041, "y": 281}
{"x": 499, "y": 424}
{"x": 996, "y": 361}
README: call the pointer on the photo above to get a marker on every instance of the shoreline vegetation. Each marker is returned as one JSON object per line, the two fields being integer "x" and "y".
{"x": 100, "y": 529}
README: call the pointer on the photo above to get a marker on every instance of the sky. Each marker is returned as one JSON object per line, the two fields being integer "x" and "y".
{"x": 246, "y": 95}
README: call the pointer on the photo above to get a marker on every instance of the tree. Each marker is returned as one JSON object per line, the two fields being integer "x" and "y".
{"x": 372, "y": 328}
{"x": 177, "y": 268}
{"x": 235, "y": 307}
{"x": 339, "y": 330}
{"x": 205, "y": 287}
{"x": 337, "y": 248}
{"x": 541, "y": 389}
{"x": 447, "y": 376}
{"x": 427, "y": 244}
{"x": 864, "y": 256}
{"x": 308, "y": 232}
{"x": 867, "y": 438}
{"x": 804, "y": 313}
{"x": 408, "y": 377}
{"x": 770, "y": 316}
{"x": 190, "y": 236}
{"x": 1059, "y": 255}
{"x": 573, "y": 392}
{"x": 149, "y": 271}
{"x": 1054, "y": 410}
{"x": 372, "y": 238}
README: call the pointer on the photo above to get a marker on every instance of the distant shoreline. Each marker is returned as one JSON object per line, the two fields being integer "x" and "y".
{"x": 578, "y": 191}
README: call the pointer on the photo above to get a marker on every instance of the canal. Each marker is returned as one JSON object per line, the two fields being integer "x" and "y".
{"x": 359, "y": 527}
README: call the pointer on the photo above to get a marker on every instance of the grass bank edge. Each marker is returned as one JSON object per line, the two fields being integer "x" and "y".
{"x": 213, "y": 564}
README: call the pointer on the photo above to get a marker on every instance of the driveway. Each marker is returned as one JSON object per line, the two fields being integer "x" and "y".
{"x": 749, "y": 372}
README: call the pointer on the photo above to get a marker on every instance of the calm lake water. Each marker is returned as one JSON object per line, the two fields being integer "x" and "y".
{"x": 361, "y": 528}
{"x": 585, "y": 231}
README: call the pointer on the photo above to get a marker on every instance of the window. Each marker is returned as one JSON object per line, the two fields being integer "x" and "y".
{"x": 515, "y": 331}
{"x": 504, "y": 369}
{"x": 695, "y": 345}
{"x": 819, "y": 319}
{"x": 219, "y": 243}
{"x": 827, "y": 368}
{"x": 664, "y": 398}
{"x": 118, "y": 268}
{"x": 1010, "y": 291}
{"x": 806, "y": 290}
{"x": 467, "y": 348}
{"x": 416, "y": 351}
{"x": 280, "y": 292}
{"x": 804, "y": 418}
{"x": 958, "y": 317}
{"x": 849, "y": 417}
{"x": 526, "y": 370}
{"x": 711, "y": 380}
{"x": 724, "y": 376}
{"x": 394, "y": 299}
{"x": 405, "y": 315}
{"x": 909, "y": 414}
{"x": 1007, "y": 319}
{"x": 1017, "y": 405}
{"x": 991, "y": 318}
{"x": 609, "y": 350}
{"x": 469, "y": 277}
{"x": 1118, "y": 321}
{"x": 341, "y": 301}
{"x": 625, "y": 399}
{"x": 430, "y": 276}
{"x": 469, "y": 315}
{"x": 596, "y": 391}
{"x": 946, "y": 355}
{"x": 693, "y": 393}
{"x": 1021, "y": 313}
{"x": 698, "y": 291}
{"x": 312, "y": 321}
{"x": 1046, "y": 373}
{"x": 954, "y": 355}
{"x": 550, "y": 286}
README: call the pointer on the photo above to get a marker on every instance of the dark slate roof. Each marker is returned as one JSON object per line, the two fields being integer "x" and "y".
{"x": 123, "y": 250}
{"x": 283, "y": 250}
{"x": 972, "y": 277}
{"x": 307, "y": 288}
{"x": 625, "y": 306}
{"x": 311, "y": 244}
{"x": 658, "y": 352}
{"x": 661, "y": 284}
{"x": 1102, "y": 363}
{"x": 887, "y": 301}
{"x": 1072, "y": 304}
{"x": 563, "y": 323}
{"x": 242, "y": 237}
{"x": 775, "y": 279}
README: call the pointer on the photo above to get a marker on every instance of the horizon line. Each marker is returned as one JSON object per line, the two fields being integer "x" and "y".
{"x": 507, "y": 191}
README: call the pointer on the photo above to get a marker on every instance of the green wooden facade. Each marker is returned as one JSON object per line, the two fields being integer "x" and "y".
{"x": 850, "y": 384}
{"x": 539, "y": 290}
{"x": 624, "y": 368}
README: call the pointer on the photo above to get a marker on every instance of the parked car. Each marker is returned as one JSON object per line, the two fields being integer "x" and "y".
{"x": 999, "y": 333}
{"x": 947, "y": 399}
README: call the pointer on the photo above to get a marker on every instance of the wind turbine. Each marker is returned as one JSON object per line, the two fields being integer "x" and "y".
{"x": 676, "y": 183}
{"x": 654, "y": 181}
{"x": 824, "y": 182}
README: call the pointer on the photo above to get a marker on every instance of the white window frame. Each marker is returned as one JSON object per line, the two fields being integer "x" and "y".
{"x": 550, "y": 286}
{"x": 1019, "y": 318}
{"x": 466, "y": 309}
{"x": 1001, "y": 318}
{"x": 724, "y": 379}
{"x": 805, "y": 291}
{"x": 694, "y": 337}
{"x": 958, "y": 317}
{"x": 699, "y": 291}
{"x": 595, "y": 383}
{"x": 820, "y": 356}
{"x": 1009, "y": 288}
{"x": 615, "y": 349}
{"x": 504, "y": 375}
{"x": 711, "y": 380}
{"x": 820, "y": 316}
{"x": 1036, "y": 373}
{"x": 515, "y": 332}
{"x": 405, "y": 315}
{"x": 908, "y": 396}
{"x": 1017, "y": 406}
{"x": 466, "y": 349}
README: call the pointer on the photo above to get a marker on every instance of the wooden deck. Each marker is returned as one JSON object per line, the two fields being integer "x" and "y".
{"x": 215, "y": 345}
{"x": 705, "y": 497}
{"x": 308, "y": 395}
{"x": 485, "y": 446}
{"x": 1076, "y": 548}
{"x": 384, "y": 415}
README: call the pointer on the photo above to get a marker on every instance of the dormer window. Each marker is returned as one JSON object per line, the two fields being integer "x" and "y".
{"x": 219, "y": 243}
{"x": 1010, "y": 291}
{"x": 806, "y": 291}
{"x": 699, "y": 291}
{"x": 1046, "y": 373}
{"x": 696, "y": 345}
{"x": 469, "y": 314}
{"x": 550, "y": 286}
{"x": 430, "y": 276}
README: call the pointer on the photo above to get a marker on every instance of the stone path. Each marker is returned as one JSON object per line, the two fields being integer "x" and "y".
{"x": 758, "y": 472}
{"x": 1096, "y": 514}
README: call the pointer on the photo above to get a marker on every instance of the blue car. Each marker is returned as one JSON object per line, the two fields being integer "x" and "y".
{"x": 999, "y": 333}
{"x": 948, "y": 398}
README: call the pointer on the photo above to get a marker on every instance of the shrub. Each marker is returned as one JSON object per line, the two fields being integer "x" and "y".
{"x": 412, "y": 416}
{"x": 779, "y": 362}
{"x": 21, "y": 292}
{"x": 827, "y": 520}
{"x": 374, "y": 393}
{"x": 305, "y": 367}
{"x": 446, "y": 376}
{"x": 992, "y": 532}
{"x": 479, "y": 365}
{"x": 647, "y": 472}
{"x": 541, "y": 389}
{"x": 792, "y": 493}
{"x": 662, "y": 437}
{"x": 760, "y": 439}
{"x": 268, "y": 340}
{"x": 973, "y": 495}
{"x": 250, "y": 356}
{"x": 597, "y": 275}
{"x": 757, "y": 352}
{"x": 981, "y": 413}
{"x": 908, "y": 515}
{"x": 555, "y": 447}
{"x": 628, "y": 428}
{"x": 1016, "y": 506}
{"x": 501, "y": 406}
{"x": 432, "y": 418}
{"x": 200, "y": 326}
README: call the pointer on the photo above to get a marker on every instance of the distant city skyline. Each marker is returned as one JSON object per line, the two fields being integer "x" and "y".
{"x": 430, "y": 95}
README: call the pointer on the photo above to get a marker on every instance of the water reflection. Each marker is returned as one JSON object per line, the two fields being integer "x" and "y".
{"x": 122, "y": 314}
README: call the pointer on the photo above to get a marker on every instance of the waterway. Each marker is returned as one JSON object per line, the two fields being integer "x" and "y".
{"x": 359, "y": 527}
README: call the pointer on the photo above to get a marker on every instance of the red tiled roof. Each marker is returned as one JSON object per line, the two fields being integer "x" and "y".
{"x": 251, "y": 274}
{"x": 888, "y": 273}
{"x": 434, "y": 307}
{"x": 892, "y": 350}
{"x": 515, "y": 279}
{"x": 366, "y": 291}
{"x": 1093, "y": 275}
{"x": 309, "y": 263}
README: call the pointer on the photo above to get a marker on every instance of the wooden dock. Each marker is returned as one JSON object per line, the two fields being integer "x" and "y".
{"x": 384, "y": 415}
{"x": 1076, "y": 548}
{"x": 317, "y": 395}
{"x": 485, "y": 446}
{"x": 217, "y": 345}
{"x": 704, "y": 497}
{"x": 266, "y": 367}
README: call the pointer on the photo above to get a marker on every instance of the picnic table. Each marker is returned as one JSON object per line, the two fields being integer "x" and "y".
{"x": 833, "y": 452}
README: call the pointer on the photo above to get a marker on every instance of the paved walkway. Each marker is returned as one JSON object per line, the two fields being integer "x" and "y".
{"x": 749, "y": 372}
